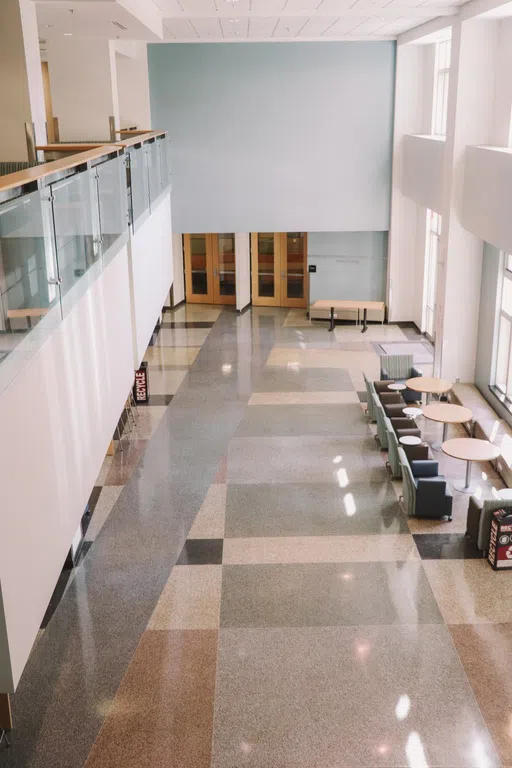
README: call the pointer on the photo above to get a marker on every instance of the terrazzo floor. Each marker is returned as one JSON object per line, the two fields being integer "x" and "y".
{"x": 252, "y": 594}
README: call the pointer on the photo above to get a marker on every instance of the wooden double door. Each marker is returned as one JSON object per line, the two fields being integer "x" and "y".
{"x": 279, "y": 269}
{"x": 210, "y": 272}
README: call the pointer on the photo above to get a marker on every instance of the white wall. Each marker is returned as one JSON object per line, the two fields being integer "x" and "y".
{"x": 151, "y": 262}
{"x": 63, "y": 408}
{"x": 243, "y": 269}
{"x": 83, "y": 81}
{"x": 21, "y": 79}
{"x": 422, "y": 176}
{"x": 487, "y": 185}
{"x": 133, "y": 84}
{"x": 503, "y": 85}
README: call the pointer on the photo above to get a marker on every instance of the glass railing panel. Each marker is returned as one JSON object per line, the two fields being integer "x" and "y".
{"x": 113, "y": 205}
{"x": 139, "y": 185}
{"x": 29, "y": 291}
{"x": 155, "y": 171}
{"x": 76, "y": 236}
{"x": 165, "y": 162}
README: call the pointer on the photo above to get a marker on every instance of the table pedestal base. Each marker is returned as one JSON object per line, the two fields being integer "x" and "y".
{"x": 439, "y": 443}
{"x": 467, "y": 487}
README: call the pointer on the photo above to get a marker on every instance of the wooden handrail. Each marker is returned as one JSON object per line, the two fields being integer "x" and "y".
{"x": 68, "y": 147}
{"x": 140, "y": 138}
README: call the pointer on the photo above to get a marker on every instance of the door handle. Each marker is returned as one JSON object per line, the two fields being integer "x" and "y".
{"x": 283, "y": 273}
{"x": 215, "y": 273}
{"x": 55, "y": 281}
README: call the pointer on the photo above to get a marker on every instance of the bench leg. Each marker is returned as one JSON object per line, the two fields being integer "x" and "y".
{"x": 365, "y": 314}
{"x": 331, "y": 327}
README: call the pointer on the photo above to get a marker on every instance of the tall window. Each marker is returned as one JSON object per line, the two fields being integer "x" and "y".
{"x": 503, "y": 376}
{"x": 441, "y": 80}
{"x": 431, "y": 257}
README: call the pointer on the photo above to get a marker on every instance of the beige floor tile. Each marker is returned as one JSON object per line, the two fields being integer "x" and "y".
{"x": 302, "y": 398}
{"x": 325, "y": 358}
{"x": 320, "y": 549}
{"x": 374, "y": 333}
{"x": 165, "y": 382}
{"x": 108, "y": 497}
{"x": 193, "y": 312}
{"x": 190, "y": 599}
{"x": 297, "y": 318}
{"x": 209, "y": 523}
{"x": 470, "y": 592}
{"x": 162, "y": 356}
{"x": 105, "y": 468}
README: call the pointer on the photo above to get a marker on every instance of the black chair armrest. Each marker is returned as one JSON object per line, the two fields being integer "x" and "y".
{"x": 384, "y": 374}
{"x": 413, "y": 432}
{"x": 431, "y": 500}
{"x": 415, "y": 373}
{"x": 391, "y": 397}
{"x": 425, "y": 468}
{"x": 383, "y": 386}
{"x": 416, "y": 452}
{"x": 402, "y": 422}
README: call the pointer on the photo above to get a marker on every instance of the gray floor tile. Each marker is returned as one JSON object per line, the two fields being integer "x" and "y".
{"x": 327, "y": 594}
{"x": 312, "y": 509}
{"x": 295, "y": 420}
{"x": 279, "y": 379}
{"x": 352, "y": 697}
{"x": 340, "y": 460}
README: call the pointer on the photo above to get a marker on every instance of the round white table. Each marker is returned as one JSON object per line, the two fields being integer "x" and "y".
{"x": 397, "y": 387}
{"x": 412, "y": 412}
{"x": 410, "y": 440}
{"x": 469, "y": 449}
{"x": 430, "y": 385}
{"x": 446, "y": 413}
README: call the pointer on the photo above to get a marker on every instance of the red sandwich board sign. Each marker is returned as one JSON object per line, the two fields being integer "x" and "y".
{"x": 500, "y": 543}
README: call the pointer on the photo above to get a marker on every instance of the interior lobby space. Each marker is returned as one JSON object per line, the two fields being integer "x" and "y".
{"x": 255, "y": 384}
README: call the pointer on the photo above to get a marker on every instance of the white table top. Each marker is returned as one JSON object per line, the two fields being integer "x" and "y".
{"x": 412, "y": 411}
{"x": 429, "y": 384}
{"x": 410, "y": 440}
{"x": 447, "y": 413}
{"x": 470, "y": 449}
{"x": 397, "y": 387}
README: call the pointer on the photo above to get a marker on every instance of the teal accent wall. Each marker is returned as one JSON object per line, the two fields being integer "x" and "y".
{"x": 277, "y": 137}
{"x": 349, "y": 265}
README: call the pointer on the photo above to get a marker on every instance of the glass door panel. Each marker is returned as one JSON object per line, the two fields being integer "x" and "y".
{"x": 224, "y": 270}
{"x": 266, "y": 289}
{"x": 198, "y": 268}
{"x": 293, "y": 269}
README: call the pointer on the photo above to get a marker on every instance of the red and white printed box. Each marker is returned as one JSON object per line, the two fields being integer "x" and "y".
{"x": 500, "y": 542}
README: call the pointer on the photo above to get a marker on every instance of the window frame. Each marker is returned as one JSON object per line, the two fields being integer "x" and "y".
{"x": 503, "y": 317}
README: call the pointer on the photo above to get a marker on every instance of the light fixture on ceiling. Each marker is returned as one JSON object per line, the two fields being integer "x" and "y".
{"x": 68, "y": 34}
{"x": 120, "y": 26}
{"x": 233, "y": 21}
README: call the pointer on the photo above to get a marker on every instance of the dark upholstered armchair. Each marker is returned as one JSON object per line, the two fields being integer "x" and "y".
{"x": 425, "y": 492}
{"x": 400, "y": 368}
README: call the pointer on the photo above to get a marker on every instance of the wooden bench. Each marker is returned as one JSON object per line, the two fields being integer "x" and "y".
{"x": 27, "y": 314}
{"x": 332, "y": 304}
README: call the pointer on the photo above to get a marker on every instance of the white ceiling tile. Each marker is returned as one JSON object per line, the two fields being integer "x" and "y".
{"x": 408, "y": 3}
{"x": 343, "y": 26}
{"x": 262, "y": 27}
{"x": 270, "y": 7}
{"x": 235, "y": 27}
{"x": 180, "y": 29}
{"x": 169, "y": 7}
{"x": 290, "y": 26}
{"x": 198, "y": 7}
{"x": 233, "y": 7}
{"x": 317, "y": 25}
{"x": 206, "y": 28}
{"x": 301, "y": 6}
{"x": 370, "y": 25}
{"x": 335, "y": 7}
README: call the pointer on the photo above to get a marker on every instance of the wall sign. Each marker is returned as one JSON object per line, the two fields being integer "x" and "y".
{"x": 141, "y": 385}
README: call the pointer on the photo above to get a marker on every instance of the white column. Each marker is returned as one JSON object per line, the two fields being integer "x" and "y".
{"x": 133, "y": 83}
{"x": 413, "y": 114}
{"x": 243, "y": 269}
{"x": 470, "y": 109}
{"x": 178, "y": 286}
{"x": 21, "y": 80}
{"x": 83, "y": 82}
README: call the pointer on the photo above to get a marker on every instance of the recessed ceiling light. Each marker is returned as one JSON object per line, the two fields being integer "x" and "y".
{"x": 68, "y": 34}
{"x": 233, "y": 21}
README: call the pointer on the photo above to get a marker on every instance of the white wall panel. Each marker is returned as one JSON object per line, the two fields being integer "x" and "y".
{"x": 62, "y": 409}
{"x": 179, "y": 273}
{"x": 422, "y": 174}
{"x": 487, "y": 183}
{"x": 152, "y": 270}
